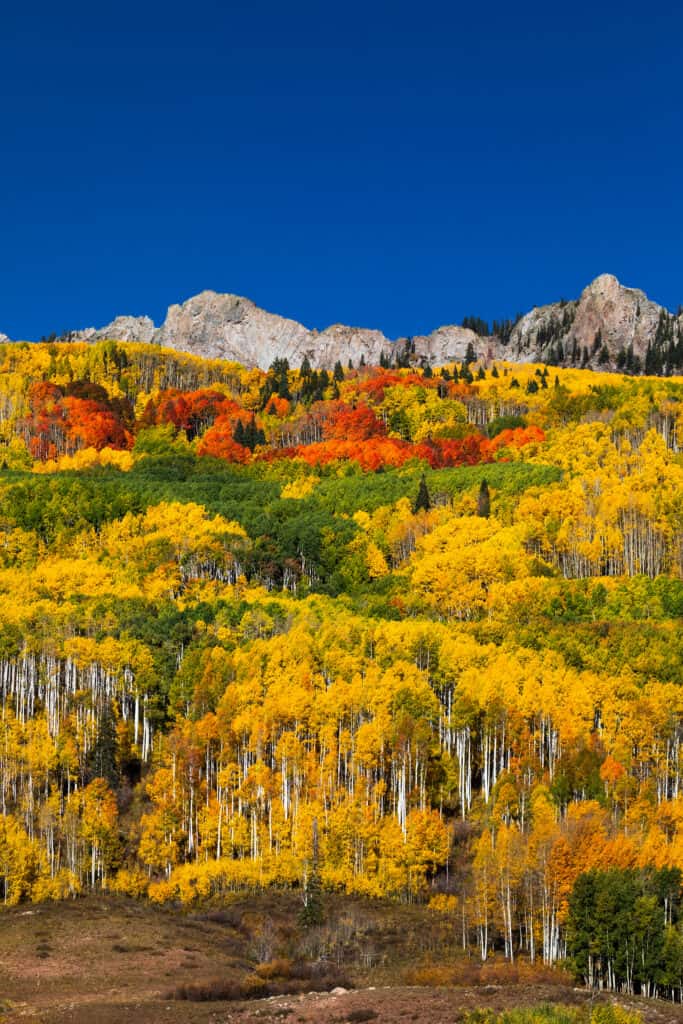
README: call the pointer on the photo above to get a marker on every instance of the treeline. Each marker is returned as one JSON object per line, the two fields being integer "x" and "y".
{"x": 624, "y": 931}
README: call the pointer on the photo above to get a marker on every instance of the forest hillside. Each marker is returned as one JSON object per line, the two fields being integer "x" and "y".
{"x": 387, "y": 632}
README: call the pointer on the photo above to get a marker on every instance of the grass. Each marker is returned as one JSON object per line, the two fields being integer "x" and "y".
{"x": 149, "y": 965}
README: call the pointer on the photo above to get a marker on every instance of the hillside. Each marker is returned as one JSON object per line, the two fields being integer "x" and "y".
{"x": 157, "y": 965}
{"x": 381, "y": 633}
{"x": 609, "y": 327}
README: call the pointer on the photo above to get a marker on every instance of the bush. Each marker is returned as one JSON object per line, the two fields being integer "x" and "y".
{"x": 276, "y": 978}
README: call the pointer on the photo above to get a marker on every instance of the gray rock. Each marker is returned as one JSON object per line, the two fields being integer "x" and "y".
{"x": 230, "y": 327}
{"x": 122, "y": 328}
{"x": 623, "y": 316}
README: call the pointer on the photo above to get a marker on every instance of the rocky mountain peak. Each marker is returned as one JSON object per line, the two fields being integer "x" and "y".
{"x": 608, "y": 327}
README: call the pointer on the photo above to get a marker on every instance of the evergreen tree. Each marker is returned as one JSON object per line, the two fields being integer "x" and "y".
{"x": 476, "y": 324}
{"x": 312, "y": 910}
{"x": 422, "y": 502}
{"x": 575, "y": 351}
{"x": 338, "y": 372}
{"x": 102, "y": 757}
{"x": 484, "y": 500}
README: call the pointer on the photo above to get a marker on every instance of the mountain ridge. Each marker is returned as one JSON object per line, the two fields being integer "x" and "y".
{"x": 610, "y": 326}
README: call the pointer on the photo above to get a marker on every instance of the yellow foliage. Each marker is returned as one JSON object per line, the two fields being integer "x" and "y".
{"x": 299, "y": 488}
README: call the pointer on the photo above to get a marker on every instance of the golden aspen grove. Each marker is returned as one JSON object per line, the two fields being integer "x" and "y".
{"x": 432, "y": 618}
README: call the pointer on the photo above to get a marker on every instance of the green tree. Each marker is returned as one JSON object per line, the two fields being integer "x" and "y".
{"x": 422, "y": 501}
{"x": 484, "y": 500}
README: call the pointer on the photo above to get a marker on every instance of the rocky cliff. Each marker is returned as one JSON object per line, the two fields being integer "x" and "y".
{"x": 231, "y": 327}
{"x": 610, "y": 327}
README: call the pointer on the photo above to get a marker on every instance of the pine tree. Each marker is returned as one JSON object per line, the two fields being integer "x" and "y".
{"x": 338, "y": 372}
{"x": 312, "y": 910}
{"x": 102, "y": 757}
{"x": 484, "y": 500}
{"x": 423, "y": 502}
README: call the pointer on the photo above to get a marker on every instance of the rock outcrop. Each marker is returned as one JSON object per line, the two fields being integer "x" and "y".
{"x": 600, "y": 328}
{"x": 123, "y": 328}
{"x": 217, "y": 326}
{"x": 609, "y": 327}
{"x": 230, "y": 327}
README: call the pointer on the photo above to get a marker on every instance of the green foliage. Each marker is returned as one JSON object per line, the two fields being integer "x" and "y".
{"x": 619, "y": 928}
{"x": 422, "y": 501}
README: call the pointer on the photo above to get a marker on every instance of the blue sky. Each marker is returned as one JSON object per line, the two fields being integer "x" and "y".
{"x": 396, "y": 166}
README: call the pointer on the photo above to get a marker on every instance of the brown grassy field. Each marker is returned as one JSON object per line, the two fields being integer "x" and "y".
{"x": 116, "y": 961}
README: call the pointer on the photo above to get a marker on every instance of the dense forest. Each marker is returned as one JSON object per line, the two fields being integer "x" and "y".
{"x": 398, "y": 633}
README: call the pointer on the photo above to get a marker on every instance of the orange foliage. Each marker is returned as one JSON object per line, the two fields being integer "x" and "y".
{"x": 347, "y": 424}
{"x": 277, "y": 406}
{"x": 62, "y": 425}
{"x": 90, "y": 425}
{"x": 375, "y": 385}
{"x": 191, "y": 411}
{"x": 218, "y": 441}
{"x": 379, "y": 451}
{"x": 515, "y": 438}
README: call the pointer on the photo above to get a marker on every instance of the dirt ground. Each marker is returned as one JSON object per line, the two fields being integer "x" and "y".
{"x": 106, "y": 961}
